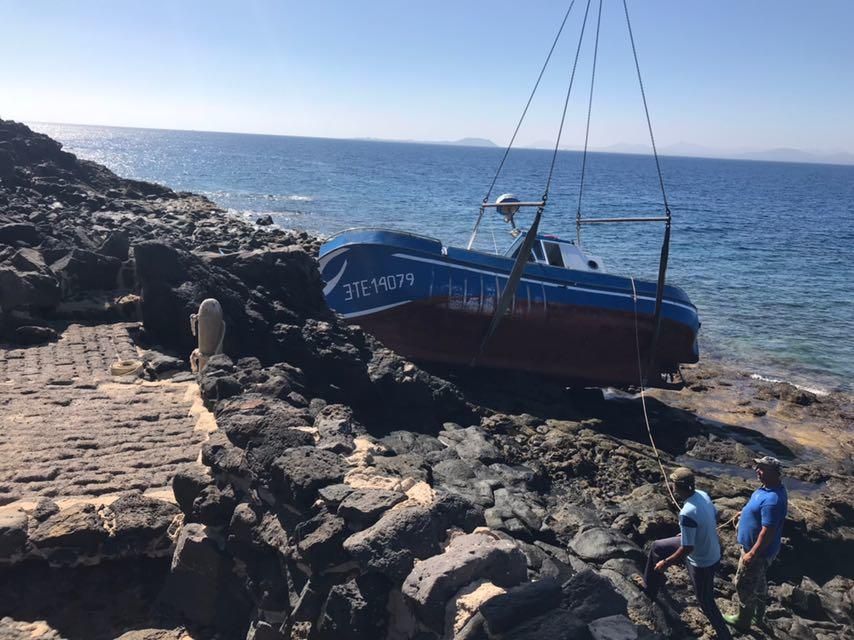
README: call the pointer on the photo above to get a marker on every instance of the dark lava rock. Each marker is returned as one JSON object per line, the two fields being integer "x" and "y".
{"x": 334, "y": 494}
{"x": 803, "y": 600}
{"x": 519, "y": 604}
{"x": 45, "y": 508}
{"x": 141, "y": 524}
{"x": 83, "y": 270}
{"x": 161, "y": 363}
{"x": 471, "y": 444}
{"x": 265, "y": 436}
{"x": 355, "y": 610}
{"x": 392, "y": 544}
{"x": 116, "y": 245}
{"x": 301, "y": 471}
{"x": 188, "y": 483}
{"x": 27, "y": 282}
{"x": 214, "y": 506}
{"x": 70, "y": 533}
{"x": 223, "y": 457}
{"x": 619, "y": 626}
{"x": 30, "y": 334}
{"x": 362, "y": 507}
{"x": 197, "y": 568}
{"x": 590, "y": 596}
{"x": 13, "y": 533}
{"x": 216, "y": 388}
{"x": 434, "y": 581}
{"x": 19, "y": 233}
{"x": 264, "y": 221}
{"x": 554, "y": 625}
{"x": 319, "y": 541}
{"x": 599, "y": 544}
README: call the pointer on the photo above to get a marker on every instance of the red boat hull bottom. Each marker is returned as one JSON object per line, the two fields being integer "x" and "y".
{"x": 583, "y": 345}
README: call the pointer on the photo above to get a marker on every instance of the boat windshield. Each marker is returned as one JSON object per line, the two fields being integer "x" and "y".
{"x": 553, "y": 253}
{"x": 537, "y": 254}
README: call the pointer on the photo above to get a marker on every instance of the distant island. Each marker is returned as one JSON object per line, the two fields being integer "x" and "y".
{"x": 470, "y": 142}
{"x": 462, "y": 142}
{"x": 691, "y": 150}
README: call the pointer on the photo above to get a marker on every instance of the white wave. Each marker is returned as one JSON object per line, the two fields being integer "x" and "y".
{"x": 814, "y": 390}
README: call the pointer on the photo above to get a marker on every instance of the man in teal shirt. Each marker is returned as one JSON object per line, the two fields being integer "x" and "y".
{"x": 760, "y": 530}
{"x": 696, "y": 545}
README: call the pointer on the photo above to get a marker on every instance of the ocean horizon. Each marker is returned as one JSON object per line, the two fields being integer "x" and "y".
{"x": 762, "y": 247}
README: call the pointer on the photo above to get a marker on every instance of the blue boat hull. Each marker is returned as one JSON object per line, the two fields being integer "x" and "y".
{"x": 434, "y": 304}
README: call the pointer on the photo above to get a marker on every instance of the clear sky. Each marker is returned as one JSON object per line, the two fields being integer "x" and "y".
{"x": 738, "y": 74}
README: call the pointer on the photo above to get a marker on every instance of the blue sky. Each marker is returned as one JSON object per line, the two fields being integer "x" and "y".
{"x": 731, "y": 74}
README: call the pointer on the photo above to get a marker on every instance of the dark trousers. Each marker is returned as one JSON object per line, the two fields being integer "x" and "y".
{"x": 703, "y": 579}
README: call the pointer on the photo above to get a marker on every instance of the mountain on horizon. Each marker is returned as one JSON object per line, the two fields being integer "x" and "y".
{"x": 692, "y": 150}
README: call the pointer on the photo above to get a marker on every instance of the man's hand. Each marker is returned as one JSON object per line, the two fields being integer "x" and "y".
{"x": 661, "y": 566}
{"x": 747, "y": 558}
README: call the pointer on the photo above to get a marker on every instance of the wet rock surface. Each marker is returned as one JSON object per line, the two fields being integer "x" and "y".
{"x": 349, "y": 493}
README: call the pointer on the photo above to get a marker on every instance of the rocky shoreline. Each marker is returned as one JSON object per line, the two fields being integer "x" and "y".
{"x": 349, "y": 493}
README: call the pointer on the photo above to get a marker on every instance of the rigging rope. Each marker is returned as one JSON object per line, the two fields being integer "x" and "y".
{"x": 665, "y": 246}
{"x": 646, "y": 109}
{"x": 643, "y": 401}
{"x": 525, "y": 251}
{"x": 528, "y": 104}
{"x": 587, "y": 130}
{"x": 566, "y": 104}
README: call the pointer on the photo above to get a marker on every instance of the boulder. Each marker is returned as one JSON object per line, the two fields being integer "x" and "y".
{"x": 519, "y": 604}
{"x": 354, "y": 610}
{"x": 590, "y": 596}
{"x": 619, "y": 627}
{"x": 470, "y": 444}
{"x": 197, "y": 570}
{"x": 363, "y": 507}
{"x": 13, "y": 533}
{"x": 434, "y": 581}
{"x": 300, "y": 472}
{"x": 214, "y": 506}
{"x": 319, "y": 541}
{"x": 20, "y": 233}
{"x": 116, "y": 245}
{"x": 70, "y": 534}
{"x": 187, "y": 483}
{"x": 599, "y": 544}
{"x": 26, "y": 282}
{"x": 392, "y": 544}
{"x": 82, "y": 270}
{"x": 558, "y": 624}
{"x": 31, "y": 334}
{"x": 141, "y": 525}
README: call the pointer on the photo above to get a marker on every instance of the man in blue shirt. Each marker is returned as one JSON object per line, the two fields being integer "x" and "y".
{"x": 760, "y": 529}
{"x": 697, "y": 543}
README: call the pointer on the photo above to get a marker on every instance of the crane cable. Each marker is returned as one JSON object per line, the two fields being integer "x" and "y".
{"x": 664, "y": 475}
{"x": 643, "y": 401}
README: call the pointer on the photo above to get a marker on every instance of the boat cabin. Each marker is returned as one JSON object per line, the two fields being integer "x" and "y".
{"x": 555, "y": 252}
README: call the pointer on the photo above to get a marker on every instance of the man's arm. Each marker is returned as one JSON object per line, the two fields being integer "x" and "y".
{"x": 677, "y": 556}
{"x": 766, "y": 535}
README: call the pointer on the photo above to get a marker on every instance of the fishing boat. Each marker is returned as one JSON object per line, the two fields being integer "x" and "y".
{"x": 545, "y": 306}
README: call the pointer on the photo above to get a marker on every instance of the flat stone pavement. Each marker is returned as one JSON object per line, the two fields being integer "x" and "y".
{"x": 71, "y": 430}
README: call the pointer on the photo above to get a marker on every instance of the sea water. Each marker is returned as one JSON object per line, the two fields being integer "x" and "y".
{"x": 765, "y": 250}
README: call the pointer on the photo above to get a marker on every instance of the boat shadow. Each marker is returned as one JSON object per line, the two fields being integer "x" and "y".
{"x": 618, "y": 413}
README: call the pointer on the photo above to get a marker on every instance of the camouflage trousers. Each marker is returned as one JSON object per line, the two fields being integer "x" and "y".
{"x": 751, "y": 583}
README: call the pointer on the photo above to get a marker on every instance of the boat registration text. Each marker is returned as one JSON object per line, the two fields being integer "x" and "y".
{"x": 383, "y": 284}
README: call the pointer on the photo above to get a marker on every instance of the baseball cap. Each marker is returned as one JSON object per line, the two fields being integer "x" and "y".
{"x": 682, "y": 475}
{"x": 768, "y": 461}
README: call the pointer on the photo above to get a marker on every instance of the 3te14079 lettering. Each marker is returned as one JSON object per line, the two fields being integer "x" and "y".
{"x": 383, "y": 284}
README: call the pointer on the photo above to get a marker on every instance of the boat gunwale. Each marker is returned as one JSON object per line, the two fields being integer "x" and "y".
{"x": 680, "y": 299}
